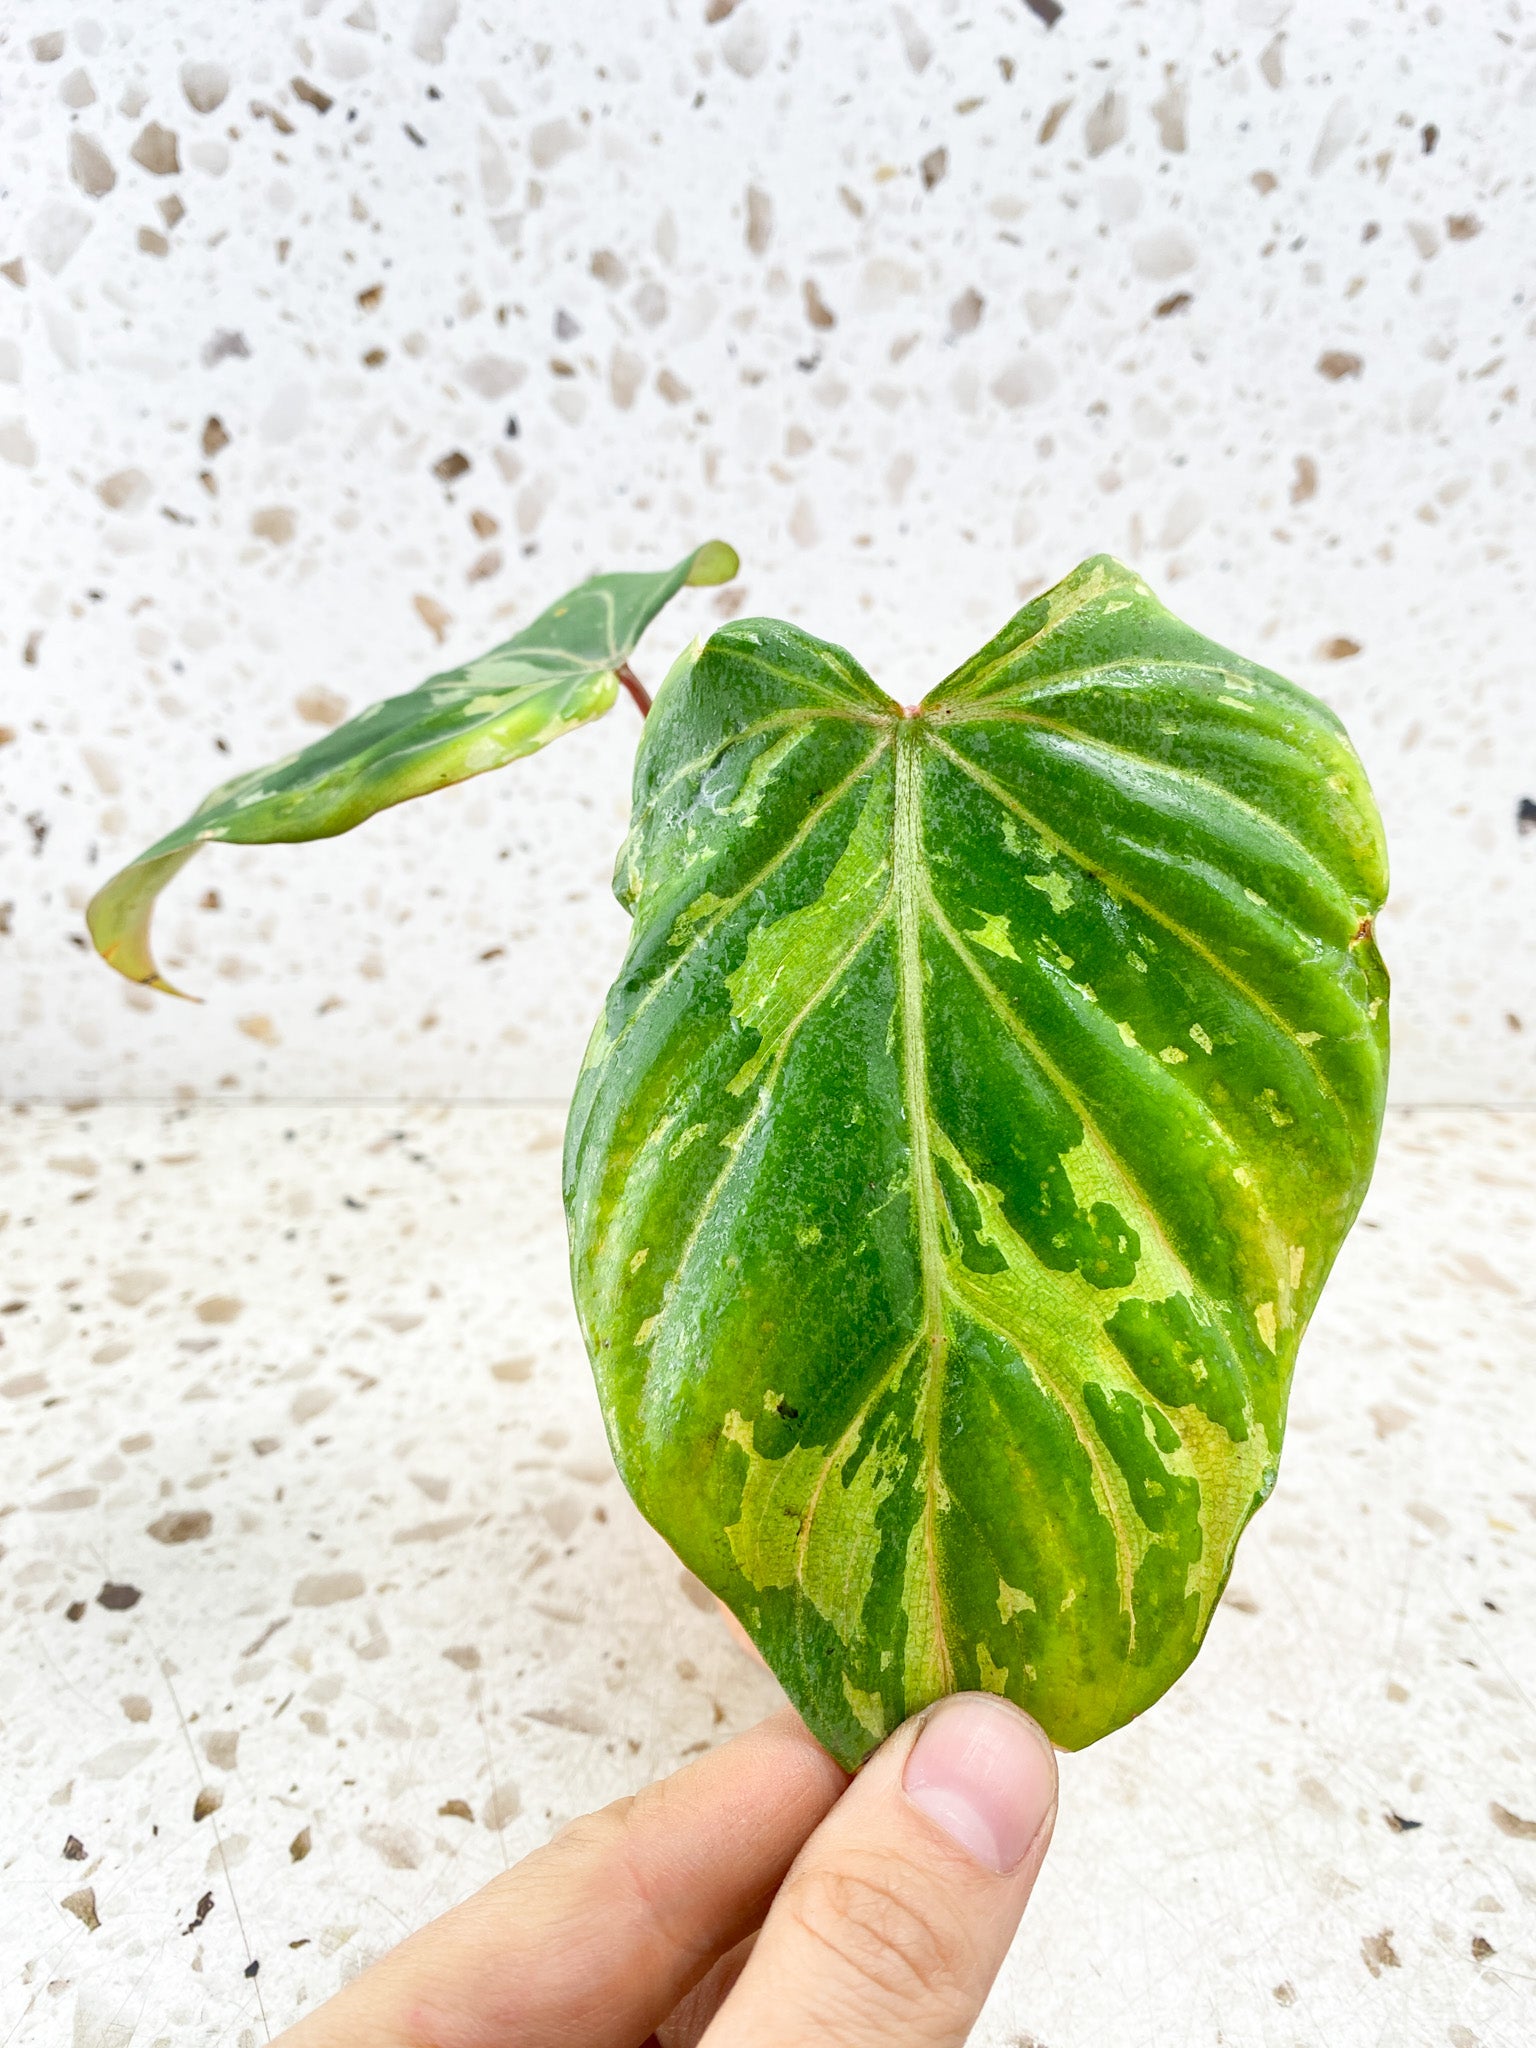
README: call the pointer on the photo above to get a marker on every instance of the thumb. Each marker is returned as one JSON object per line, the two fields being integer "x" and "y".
{"x": 897, "y": 1914}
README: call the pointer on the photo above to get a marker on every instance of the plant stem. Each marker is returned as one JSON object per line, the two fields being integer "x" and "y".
{"x": 635, "y": 687}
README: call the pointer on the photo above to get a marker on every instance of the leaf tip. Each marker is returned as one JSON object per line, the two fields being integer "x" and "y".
{"x": 716, "y": 562}
{"x": 169, "y": 988}
{"x": 118, "y": 915}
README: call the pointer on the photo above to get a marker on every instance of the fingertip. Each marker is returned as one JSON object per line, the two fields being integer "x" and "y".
{"x": 785, "y": 1725}
{"x": 984, "y": 1772}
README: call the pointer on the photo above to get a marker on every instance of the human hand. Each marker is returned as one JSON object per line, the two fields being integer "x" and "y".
{"x": 758, "y": 1897}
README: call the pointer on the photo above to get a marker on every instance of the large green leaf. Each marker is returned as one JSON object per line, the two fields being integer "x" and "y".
{"x": 558, "y": 673}
{"x": 985, "y": 1095}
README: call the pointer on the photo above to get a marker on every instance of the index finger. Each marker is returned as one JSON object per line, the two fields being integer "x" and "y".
{"x": 595, "y": 1938}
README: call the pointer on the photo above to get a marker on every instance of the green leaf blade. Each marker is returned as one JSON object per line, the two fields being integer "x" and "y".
{"x": 558, "y": 673}
{"x": 981, "y": 1106}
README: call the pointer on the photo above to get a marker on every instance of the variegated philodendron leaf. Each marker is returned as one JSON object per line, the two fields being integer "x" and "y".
{"x": 983, "y": 1100}
{"x": 558, "y": 673}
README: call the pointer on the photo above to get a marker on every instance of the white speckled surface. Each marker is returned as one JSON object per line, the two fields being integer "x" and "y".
{"x": 332, "y": 1351}
{"x": 1237, "y": 290}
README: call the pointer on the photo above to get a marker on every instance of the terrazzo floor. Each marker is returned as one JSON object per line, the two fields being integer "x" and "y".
{"x": 320, "y": 1601}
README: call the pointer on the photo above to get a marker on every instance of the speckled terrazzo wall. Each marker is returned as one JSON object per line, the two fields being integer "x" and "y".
{"x": 333, "y": 339}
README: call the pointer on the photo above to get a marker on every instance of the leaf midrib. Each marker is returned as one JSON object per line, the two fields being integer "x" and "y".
{"x": 906, "y": 878}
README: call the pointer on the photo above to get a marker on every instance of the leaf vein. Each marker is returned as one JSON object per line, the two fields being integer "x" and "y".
{"x": 710, "y": 924}
{"x": 1118, "y": 886}
{"x": 1263, "y": 819}
{"x": 738, "y": 1143}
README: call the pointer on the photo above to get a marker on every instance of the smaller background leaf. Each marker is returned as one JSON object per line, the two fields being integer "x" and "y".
{"x": 559, "y": 672}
